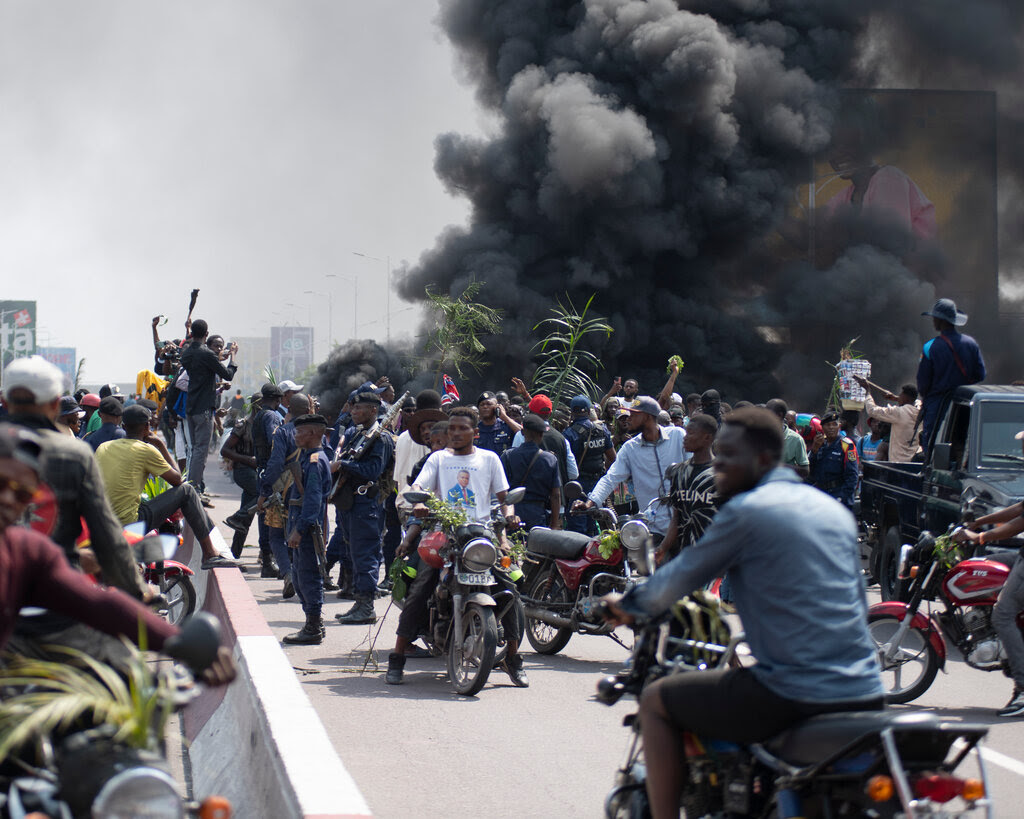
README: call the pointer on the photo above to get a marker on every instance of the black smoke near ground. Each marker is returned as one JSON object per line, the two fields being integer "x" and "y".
{"x": 350, "y": 365}
{"x": 648, "y": 152}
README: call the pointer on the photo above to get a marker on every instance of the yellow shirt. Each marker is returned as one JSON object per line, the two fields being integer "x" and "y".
{"x": 126, "y": 465}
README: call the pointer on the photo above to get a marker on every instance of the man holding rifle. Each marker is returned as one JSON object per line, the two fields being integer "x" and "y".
{"x": 307, "y": 505}
{"x": 360, "y": 500}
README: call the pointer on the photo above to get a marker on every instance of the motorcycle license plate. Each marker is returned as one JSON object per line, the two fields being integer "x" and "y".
{"x": 475, "y": 578}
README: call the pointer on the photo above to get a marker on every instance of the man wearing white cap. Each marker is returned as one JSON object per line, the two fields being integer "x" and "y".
{"x": 289, "y": 388}
{"x": 32, "y": 390}
{"x": 948, "y": 361}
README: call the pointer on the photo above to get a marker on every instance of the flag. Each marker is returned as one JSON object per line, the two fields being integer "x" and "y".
{"x": 449, "y": 387}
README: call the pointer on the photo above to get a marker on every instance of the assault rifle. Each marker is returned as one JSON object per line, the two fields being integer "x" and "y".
{"x": 357, "y": 451}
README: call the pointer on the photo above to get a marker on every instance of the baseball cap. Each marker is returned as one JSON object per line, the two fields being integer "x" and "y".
{"x": 580, "y": 402}
{"x": 676, "y": 412}
{"x": 111, "y": 406}
{"x": 534, "y": 423}
{"x": 945, "y": 309}
{"x": 69, "y": 406}
{"x": 37, "y": 375}
{"x": 90, "y": 399}
{"x": 290, "y": 386}
{"x": 645, "y": 404}
{"x": 485, "y": 396}
{"x": 540, "y": 405}
{"x": 135, "y": 415}
{"x": 271, "y": 391}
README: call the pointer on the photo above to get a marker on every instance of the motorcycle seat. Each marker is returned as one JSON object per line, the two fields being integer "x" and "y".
{"x": 557, "y": 544}
{"x": 816, "y": 739}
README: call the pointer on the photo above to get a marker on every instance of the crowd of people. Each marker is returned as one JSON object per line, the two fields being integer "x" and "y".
{"x": 666, "y": 455}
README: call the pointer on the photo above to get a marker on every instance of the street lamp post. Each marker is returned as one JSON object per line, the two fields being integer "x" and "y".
{"x": 330, "y": 314}
{"x": 387, "y": 317}
{"x": 355, "y": 298}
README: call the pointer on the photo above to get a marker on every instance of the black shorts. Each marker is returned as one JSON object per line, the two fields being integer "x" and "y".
{"x": 732, "y": 705}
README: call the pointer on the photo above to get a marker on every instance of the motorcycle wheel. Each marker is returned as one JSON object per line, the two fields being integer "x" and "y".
{"x": 181, "y": 598}
{"x": 913, "y": 670}
{"x": 889, "y": 564}
{"x": 545, "y": 638}
{"x": 471, "y": 654}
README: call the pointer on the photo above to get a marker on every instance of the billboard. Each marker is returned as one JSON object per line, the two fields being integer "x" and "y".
{"x": 17, "y": 329}
{"x": 63, "y": 357}
{"x": 291, "y": 351}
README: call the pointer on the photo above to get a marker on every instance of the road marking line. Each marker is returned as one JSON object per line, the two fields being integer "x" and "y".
{"x": 1003, "y": 761}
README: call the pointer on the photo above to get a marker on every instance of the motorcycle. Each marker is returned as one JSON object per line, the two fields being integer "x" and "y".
{"x": 912, "y": 644}
{"x": 85, "y": 768}
{"x": 568, "y": 573}
{"x": 473, "y": 594}
{"x": 173, "y": 579}
{"x": 871, "y": 763}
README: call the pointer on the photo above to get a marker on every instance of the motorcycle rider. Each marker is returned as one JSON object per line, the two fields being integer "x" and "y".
{"x": 34, "y": 572}
{"x": 780, "y": 540}
{"x": 1008, "y": 522}
{"x": 489, "y": 480}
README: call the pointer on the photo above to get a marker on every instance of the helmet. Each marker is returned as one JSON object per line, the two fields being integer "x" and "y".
{"x": 808, "y": 426}
{"x": 430, "y": 548}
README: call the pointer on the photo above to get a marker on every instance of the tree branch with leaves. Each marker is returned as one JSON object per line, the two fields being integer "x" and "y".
{"x": 566, "y": 368}
{"x": 455, "y": 341}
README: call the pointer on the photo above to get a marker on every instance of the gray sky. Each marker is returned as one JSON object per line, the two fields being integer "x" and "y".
{"x": 244, "y": 147}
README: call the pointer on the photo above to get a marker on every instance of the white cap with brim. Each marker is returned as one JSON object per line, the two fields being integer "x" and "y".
{"x": 290, "y": 386}
{"x": 37, "y": 375}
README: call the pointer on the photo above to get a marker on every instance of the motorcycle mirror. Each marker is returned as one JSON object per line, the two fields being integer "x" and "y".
{"x": 138, "y": 528}
{"x": 155, "y": 548}
{"x": 197, "y": 643}
{"x": 514, "y": 496}
{"x": 573, "y": 490}
{"x": 416, "y": 497}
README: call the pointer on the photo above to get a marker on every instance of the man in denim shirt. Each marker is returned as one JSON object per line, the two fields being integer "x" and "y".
{"x": 791, "y": 553}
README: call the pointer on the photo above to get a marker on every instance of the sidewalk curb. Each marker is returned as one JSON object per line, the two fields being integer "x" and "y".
{"x": 259, "y": 742}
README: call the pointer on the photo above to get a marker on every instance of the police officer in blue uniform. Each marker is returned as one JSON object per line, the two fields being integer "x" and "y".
{"x": 594, "y": 452}
{"x": 537, "y": 471}
{"x": 283, "y": 448}
{"x": 361, "y": 505}
{"x": 307, "y": 505}
{"x": 834, "y": 462}
{"x": 495, "y": 430}
{"x": 264, "y": 424}
{"x": 948, "y": 361}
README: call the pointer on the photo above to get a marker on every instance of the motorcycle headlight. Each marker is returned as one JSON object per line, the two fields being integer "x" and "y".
{"x": 479, "y": 555}
{"x": 634, "y": 534}
{"x": 139, "y": 793}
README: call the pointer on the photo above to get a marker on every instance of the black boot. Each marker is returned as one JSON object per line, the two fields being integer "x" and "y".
{"x": 237, "y": 544}
{"x": 396, "y": 667}
{"x": 361, "y": 614}
{"x": 289, "y": 588}
{"x": 311, "y": 634}
{"x": 345, "y": 592}
{"x": 269, "y": 565}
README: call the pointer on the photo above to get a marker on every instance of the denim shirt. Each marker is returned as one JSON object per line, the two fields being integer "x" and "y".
{"x": 791, "y": 554}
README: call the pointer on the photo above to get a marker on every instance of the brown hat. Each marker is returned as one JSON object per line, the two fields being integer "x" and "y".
{"x": 418, "y": 417}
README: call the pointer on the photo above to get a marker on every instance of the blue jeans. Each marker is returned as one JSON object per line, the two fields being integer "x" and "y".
{"x": 200, "y": 428}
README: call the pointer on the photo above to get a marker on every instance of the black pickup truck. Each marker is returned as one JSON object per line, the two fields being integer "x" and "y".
{"x": 975, "y": 466}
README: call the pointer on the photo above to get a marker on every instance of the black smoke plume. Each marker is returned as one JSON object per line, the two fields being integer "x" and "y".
{"x": 350, "y": 365}
{"x": 648, "y": 151}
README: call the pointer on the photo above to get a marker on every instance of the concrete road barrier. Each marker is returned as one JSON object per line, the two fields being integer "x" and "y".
{"x": 259, "y": 742}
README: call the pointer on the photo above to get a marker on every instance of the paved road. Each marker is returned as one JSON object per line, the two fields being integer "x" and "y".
{"x": 548, "y": 751}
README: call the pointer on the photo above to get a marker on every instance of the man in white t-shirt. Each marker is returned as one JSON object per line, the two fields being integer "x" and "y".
{"x": 469, "y": 476}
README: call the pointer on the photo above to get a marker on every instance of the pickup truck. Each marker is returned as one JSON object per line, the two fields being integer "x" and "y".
{"x": 975, "y": 465}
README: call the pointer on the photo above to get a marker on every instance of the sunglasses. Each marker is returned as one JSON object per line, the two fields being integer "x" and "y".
{"x": 22, "y": 493}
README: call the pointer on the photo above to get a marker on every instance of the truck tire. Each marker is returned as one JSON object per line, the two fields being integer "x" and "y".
{"x": 889, "y": 564}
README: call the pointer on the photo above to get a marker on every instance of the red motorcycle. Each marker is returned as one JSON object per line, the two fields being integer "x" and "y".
{"x": 567, "y": 575}
{"x": 912, "y": 644}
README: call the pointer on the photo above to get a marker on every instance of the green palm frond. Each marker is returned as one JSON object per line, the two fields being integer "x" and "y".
{"x": 52, "y": 696}
{"x": 566, "y": 368}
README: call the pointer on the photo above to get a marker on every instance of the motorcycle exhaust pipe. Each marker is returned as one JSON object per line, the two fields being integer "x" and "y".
{"x": 545, "y": 616}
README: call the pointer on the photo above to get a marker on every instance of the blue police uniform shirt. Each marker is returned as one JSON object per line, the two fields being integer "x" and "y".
{"x": 372, "y": 465}
{"x": 834, "y": 469}
{"x": 105, "y": 432}
{"x": 496, "y": 437}
{"x": 938, "y": 372}
{"x": 544, "y": 475}
{"x": 284, "y": 445}
{"x": 316, "y": 484}
{"x": 587, "y": 446}
{"x": 268, "y": 421}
